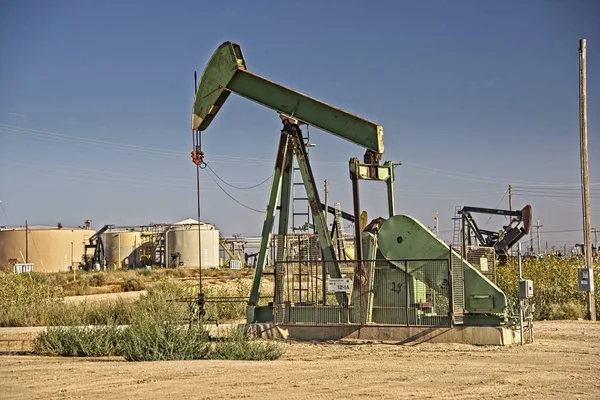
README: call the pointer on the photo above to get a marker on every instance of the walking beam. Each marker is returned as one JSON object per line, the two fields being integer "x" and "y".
{"x": 226, "y": 73}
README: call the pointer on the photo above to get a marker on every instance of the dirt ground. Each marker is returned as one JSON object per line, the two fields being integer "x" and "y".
{"x": 564, "y": 362}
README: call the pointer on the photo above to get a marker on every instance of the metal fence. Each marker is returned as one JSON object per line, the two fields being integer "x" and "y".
{"x": 400, "y": 292}
{"x": 484, "y": 260}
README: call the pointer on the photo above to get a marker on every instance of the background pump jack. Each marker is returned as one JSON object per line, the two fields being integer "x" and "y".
{"x": 399, "y": 237}
{"x": 501, "y": 241}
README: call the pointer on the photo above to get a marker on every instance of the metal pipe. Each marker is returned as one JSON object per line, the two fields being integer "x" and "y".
{"x": 520, "y": 299}
{"x": 26, "y": 242}
{"x": 358, "y": 254}
{"x": 166, "y": 255}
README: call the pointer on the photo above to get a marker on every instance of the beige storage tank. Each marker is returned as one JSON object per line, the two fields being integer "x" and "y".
{"x": 51, "y": 249}
{"x": 182, "y": 245}
{"x": 123, "y": 249}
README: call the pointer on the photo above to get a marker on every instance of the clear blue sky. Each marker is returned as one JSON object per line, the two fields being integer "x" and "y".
{"x": 472, "y": 96}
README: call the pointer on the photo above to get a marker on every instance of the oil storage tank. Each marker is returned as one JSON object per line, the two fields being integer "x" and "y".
{"x": 123, "y": 248}
{"x": 49, "y": 249}
{"x": 182, "y": 244}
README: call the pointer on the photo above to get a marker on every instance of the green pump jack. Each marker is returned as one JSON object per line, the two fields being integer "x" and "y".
{"x": 473, "y": 299}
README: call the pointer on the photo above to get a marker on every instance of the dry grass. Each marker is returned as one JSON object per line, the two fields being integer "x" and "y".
{"x": 38, "y": 300}
{"x": 32, "y": 301}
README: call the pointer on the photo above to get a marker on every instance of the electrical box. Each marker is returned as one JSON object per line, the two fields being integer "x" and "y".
{"x": 585, "y": 279}
{"x": 526, "y": 289}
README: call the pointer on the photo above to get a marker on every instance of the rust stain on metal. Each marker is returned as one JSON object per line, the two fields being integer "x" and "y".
{"x": 314, "y": 207}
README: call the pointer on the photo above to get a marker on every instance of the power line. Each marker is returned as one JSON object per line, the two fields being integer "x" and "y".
{"x": 238, "y": 187}
{"x": 138, "y": 149}
{"x": 149, "y": 181}
{"x": 497, "y": 205}
{"x": 93, "y": 178}
{"x": 484, "y": 179}
{"x": 231, "y": 197}
{"x": 547, "y": 188}
{"x": 119, "y": 146}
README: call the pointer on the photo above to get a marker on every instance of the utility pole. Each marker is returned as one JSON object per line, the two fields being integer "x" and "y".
{"x": 510, "y": 207}
{"x": 585, "y": 179}
{"x": 530, "y": 244}
{"x": 539, "y": 246}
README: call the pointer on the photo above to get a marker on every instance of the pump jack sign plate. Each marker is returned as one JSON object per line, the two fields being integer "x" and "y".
{"x": 337, "y": 285}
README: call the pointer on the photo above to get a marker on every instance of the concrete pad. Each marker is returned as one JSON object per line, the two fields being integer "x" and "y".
{"x": 410, "y": 335}
{"x": 22, "y": 339}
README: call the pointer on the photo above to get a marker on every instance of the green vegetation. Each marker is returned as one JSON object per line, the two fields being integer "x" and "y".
{"x": 38, "y": 300}
{"x": 32, "y": 300}
{"x": 154, "y": 326}
{"x": 154, "y": 334}
{"x": 556, "y": 295}
{"x": 241, "y": 344}
{"x": 78, "y": 341}
{"x": 150, "y": 340}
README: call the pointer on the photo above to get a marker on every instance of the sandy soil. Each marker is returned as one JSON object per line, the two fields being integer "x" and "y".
{"x": 562, "y": 363}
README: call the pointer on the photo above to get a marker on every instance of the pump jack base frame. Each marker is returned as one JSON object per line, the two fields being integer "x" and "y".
{"x": 407, "y": 335}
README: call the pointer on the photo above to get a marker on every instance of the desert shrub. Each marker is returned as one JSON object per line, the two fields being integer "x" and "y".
{"x": 119, "y": 312}
{"x": 178, "y": 272}
{"x": 241, "y": 344}
{"x": 144, "y": 272}
{"x": 38, "y": 277}
{"x": 24, "y": 299}
{"x": 227, "y": 311}
{"x": 25, "y": 302}
{"x": 77, "y": 341}
{"x": 97, "y": 280}
{"x": 152, "y": 339}
{"x": 154, "y": 330}
{"x": 58, "y": 279}
{"x": 133, "y": 285}
{"x": 570, "y": 310}
{"x": 33, "y": 301}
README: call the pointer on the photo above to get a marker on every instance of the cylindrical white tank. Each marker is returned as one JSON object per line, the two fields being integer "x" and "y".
{"x": 51, "y": 249}
{"x": 182, "y": 245}
{"x": 122, "y": 249}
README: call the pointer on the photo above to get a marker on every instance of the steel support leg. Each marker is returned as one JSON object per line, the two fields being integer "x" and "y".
{"x": 280, "y": 162}
{"x": 390, "y": 188}
{"x": 285, "y": 203}
{"x": 284, "y": 218}
{"x": 315, "y": 206}
{"x": 354, "y": 177}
